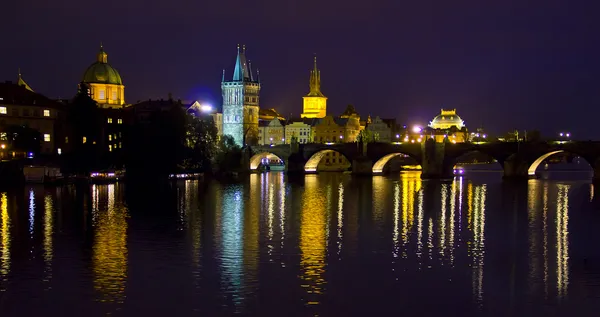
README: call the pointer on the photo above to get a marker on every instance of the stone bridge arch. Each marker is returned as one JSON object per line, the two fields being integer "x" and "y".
{"x": 591, "y": 160}
{"x": 380, "y": 163}
{"x": 313, "y": 161}
{"x": 382, "y": 153}
{"x": 257, "y": 153}
{"x": 257, "y": 158}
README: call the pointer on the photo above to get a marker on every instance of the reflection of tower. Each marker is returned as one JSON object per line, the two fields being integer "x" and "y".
{"x": 241, "y": 102}
{"x": 110, "y": 245}
{"x": 315, "y": 103}
{"x": 313, "y": 240}
{"x": 4, "y": 239}
{"x": 232, "y": 227}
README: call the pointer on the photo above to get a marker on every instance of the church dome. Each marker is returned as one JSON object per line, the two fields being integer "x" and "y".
{"x": 101, "y": 72}
{"x": 446, "y": 120}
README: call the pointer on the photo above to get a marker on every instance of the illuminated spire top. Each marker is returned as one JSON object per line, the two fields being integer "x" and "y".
{"x": 102, "y": 57}
{"x": 241, "y": 71}
{"x": 315, "y": 81}
{"x": 22, "y": 82}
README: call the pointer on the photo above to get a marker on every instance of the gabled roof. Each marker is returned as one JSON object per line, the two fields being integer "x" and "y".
{"x": 15, "y": 94}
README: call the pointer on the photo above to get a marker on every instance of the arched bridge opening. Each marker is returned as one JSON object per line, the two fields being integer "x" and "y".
{"x": 395, "y": 162}
{"x": 531, "y": 171}
{"x": 474, "y": 161}
{"x": 265, "y": 159}
{"x": 327, "y": 160}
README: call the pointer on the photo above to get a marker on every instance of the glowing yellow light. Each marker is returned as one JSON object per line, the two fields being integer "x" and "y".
{"x": 313, "y": 240}
{"x": 109, "y": 252}
{"x": 5, "y": 237}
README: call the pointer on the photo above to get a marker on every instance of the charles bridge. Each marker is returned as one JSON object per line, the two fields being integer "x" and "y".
{"x": 437, "y": 160}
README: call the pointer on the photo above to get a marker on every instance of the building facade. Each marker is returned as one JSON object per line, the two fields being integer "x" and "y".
{"x": 20, "y": 106}
{"x": 301, "y": 129}
{"x": 104, "y": 82}
{"x": 241, "y": 102}
{"x": 336, "y": 130}
{"x": 315, "y": 103}
{"x": 381, "y": 130}
{"x": 271, "y": 132}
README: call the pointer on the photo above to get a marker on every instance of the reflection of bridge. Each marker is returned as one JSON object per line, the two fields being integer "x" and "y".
{"x": 518, "y": 159}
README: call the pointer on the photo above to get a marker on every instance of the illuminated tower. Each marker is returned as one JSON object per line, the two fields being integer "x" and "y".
{"x": 106, "y": 86}
{"x": 315, "y": 103}
{"x": 241, "y": 102}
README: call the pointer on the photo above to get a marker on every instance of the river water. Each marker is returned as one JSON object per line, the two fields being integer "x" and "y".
{"x": 326, "y": 245}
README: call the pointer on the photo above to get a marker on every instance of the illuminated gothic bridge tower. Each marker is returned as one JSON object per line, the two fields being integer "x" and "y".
{"x": 241, "y": 102}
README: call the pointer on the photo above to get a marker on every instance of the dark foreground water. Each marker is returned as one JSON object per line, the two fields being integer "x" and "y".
{"x": 327, "y": 245}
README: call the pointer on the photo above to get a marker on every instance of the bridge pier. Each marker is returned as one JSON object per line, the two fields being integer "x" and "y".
{"x": 294, "y": 165}
{"x": 432, "y": 164}
{"x": 516, "y": 168}
{"x": 362, "y": 166}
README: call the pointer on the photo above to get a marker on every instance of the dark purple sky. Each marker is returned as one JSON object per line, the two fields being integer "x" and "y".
{"x": 502, "y": 64}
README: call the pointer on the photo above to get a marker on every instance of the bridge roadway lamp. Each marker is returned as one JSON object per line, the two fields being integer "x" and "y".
{"x": 417, "y": 129}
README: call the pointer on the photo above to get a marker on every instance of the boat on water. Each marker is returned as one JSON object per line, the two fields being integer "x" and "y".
{"x": 106, "y": 176}
{"x": 42, "y": 174}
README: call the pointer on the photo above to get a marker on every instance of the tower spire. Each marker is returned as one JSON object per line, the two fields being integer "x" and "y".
{"x": 223, "y": 77}
{"x": 315, "y": 80}
{"x": 241, "y": 73}
{"x": 22, "y": 82}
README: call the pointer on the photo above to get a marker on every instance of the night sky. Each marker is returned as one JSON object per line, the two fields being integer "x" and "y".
{"x": 502, "y": 64}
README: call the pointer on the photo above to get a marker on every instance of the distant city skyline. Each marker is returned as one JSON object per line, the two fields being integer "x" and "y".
{"x": 502, "y": 66}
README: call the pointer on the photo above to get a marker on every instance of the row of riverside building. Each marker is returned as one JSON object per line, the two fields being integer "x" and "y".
{"x": 241, "y": 116}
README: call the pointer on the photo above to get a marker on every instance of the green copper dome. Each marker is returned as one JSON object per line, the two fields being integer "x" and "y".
{"x": 101, "y": 72}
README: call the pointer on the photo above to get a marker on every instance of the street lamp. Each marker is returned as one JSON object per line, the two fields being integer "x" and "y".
{"x": 417, "y": 129}
{"x": 206, "y": 108}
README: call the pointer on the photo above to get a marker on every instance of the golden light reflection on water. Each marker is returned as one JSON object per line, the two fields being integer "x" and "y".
{"x": 442, "y": 220}
{"x": 110, "y": 245}
{"x": 533, "y": 231}
{"x": 313, "y": 240}
{"x": 562, "y": 240}
{"x": 340, "y": 218}
{"x": 411, "y": 186}
{"x": 5, "y": 237}
{"x": 48, "y": 232}
{"x": 282, "y": 206}
{"x": 541, "y": 249}
{"x": 270, "y": 212}
{"x": 478, "y": 243}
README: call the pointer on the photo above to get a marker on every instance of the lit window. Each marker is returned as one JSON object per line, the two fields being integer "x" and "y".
{"x": 101, "y": 94}
{"x": 47, "y": 137}
{"x": 3, "y": 136}
{"x": 120, "y": 121}
{"x": 119, "y": 145}
{"x": 59, "y": 151}
{"x": 66, "y": 139}
{"x": 109, "y": 120}
{"x": 46, "y": 113}
{"x": 3, "y": 110}
{"x": 110, "y": 137}
{"x": 114, "y": 95}
{"x": 84, "y": 140}
{"x": 110, "y": 148}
